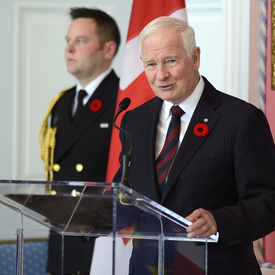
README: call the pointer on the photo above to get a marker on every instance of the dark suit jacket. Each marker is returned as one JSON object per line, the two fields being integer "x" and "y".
{"x": 84, "y": 141}
{"x": 230, "y": 172}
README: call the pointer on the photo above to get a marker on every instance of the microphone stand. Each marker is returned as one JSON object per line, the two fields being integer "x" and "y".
{"x": 126, "y": 159}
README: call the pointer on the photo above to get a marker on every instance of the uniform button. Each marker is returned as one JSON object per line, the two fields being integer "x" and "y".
{"x": 79, "y": 167}
{"x": 56, "y": 167}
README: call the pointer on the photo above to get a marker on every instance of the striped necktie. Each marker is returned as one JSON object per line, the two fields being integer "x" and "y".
{"x": 169, "y": 149}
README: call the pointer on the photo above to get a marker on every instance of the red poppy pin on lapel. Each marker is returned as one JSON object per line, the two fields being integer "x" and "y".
{"x": 201, "y": 130}
{"x": 96, "y": 105}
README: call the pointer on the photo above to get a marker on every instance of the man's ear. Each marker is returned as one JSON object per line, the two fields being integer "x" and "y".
{"x": 109, "y": 49}
{"x": 196, "y": 57}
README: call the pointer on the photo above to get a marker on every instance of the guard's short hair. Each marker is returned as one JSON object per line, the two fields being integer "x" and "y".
{"x": 107, "y": 29}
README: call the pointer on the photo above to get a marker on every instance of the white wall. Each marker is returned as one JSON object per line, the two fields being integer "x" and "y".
{"x": 206, "y": 19}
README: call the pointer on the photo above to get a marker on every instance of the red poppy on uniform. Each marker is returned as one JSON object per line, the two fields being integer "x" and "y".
{"x": 96, "y": 105}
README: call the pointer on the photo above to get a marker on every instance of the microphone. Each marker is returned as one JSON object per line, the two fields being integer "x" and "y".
{"x": 123, "y": 105}
{"x": 126, "y": 159}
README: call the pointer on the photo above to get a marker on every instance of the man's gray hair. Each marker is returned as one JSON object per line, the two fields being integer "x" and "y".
{"x": 175, "y": 24}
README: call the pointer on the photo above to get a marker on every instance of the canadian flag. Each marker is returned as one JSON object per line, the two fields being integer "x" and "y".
{"x": 133, "y": 82}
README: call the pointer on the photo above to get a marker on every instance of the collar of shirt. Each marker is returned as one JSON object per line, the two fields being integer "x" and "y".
{"x": 188, "y": 106}
{"x": 91, "y": 87}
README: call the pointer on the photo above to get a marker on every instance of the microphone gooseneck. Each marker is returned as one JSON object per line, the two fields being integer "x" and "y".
{"x": 126, "y": 159}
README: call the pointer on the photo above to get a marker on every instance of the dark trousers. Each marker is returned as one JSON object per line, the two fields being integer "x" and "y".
{"x": 78, "y": 253}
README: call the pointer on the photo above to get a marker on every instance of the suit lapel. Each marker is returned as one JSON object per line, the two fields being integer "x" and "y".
{"x": 150, "y": 121}
{"x": 62, "y": 117}
{"x": 204, "y": 113}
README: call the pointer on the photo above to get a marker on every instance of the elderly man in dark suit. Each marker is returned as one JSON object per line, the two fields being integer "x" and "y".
{"x": 81, "y": 126}
{"x": 217, "y": 167}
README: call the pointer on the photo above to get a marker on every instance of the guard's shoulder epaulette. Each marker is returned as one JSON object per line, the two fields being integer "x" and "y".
{"x": 46, "y": 138}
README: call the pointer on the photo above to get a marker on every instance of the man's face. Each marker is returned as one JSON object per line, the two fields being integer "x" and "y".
{"x": 83, "y": 54}
{"x": 172, "y": 75}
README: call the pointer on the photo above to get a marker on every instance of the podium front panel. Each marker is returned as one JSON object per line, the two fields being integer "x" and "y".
{"x": 138, "y": 234}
